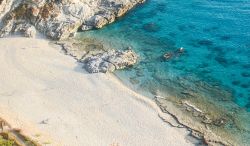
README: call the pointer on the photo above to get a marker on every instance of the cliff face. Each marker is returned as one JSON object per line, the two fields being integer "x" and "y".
{"x": 58, "y": 19}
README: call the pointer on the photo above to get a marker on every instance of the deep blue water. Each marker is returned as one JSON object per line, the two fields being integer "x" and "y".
{"x": 215, "y": 65}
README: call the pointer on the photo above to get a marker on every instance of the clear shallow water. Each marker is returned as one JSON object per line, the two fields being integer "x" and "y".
{"x": 214, "y": 70}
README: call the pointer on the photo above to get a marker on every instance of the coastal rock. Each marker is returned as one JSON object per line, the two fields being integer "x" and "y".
{"x": 97, "y": 57}
{"x": 5, "y": 6}
{"x": 30, "y": 32}
{"x": 99, "y": 21}
{"x": 25, "y": 29}
{"x": 58, "y": 19}
{"x": 110, "y": 61}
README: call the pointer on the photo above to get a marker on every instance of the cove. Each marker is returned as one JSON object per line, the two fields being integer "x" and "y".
{"x": 213, "y": 72}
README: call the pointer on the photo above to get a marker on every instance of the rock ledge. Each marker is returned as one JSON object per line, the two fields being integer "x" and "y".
{"x": 110, "y": 61}
{"x": 98, "y": 58}
{"x": 59, "y": 19}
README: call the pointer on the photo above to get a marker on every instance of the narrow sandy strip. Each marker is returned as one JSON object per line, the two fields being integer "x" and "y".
{"x": 53, "y": 100}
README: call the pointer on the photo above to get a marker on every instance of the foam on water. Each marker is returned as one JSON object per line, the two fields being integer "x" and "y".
{"x": 214, "y": 70}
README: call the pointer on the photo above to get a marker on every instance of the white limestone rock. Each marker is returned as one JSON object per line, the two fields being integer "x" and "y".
{"x": 110, "y": 61}
{"x": 30, "y": 32}
{"x": 97, "y": 57}
{"x": 58, "y": 19}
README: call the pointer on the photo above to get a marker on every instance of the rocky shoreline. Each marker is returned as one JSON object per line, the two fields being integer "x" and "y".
{"x": 98, "y": 58}
{"x": 59, "y": 19}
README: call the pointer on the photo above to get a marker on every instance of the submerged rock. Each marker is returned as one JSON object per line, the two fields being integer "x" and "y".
{"x": 168, "y": 55}
{"x": 245, "y": 74}
{"x": 176, "y": 53}
{"x": 110, "y": 61}
{"x": 151, "y": 27}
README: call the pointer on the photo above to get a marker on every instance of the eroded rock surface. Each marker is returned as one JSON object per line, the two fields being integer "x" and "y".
{"x": 58, "y": 19}
{"x": 110, "y": 61}
{"x": 98, "y": 58}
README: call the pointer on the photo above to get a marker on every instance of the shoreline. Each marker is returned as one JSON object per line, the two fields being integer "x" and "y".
{"x": 194, "y": 114}
{"x": 200, "y": 113}
{"x": 172, "y": 114}
{"x": 137, "y": 103}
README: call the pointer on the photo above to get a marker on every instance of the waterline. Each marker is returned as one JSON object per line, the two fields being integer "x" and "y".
{"x": 212, "y": 73}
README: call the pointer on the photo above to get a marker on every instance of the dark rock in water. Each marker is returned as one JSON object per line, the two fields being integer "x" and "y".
{"x": 188, "y": 93}
{"x": 210, "y": 29}
{"x": 176, "y": 53}
{"x": 180, "y": 50}
{"x": 240, "y": 95}
{"x": 222, "y": 61}
{"x": 206, "y": 30}
{"x": 182, "y": 27}
{"x": 234, "y": 62}
{"x": 193, "y": 44}
{"x": 133, "y": 80}
{"x": 172, "y": 34}
{"x": 139, "y": 73}
{"x": 218, "y": 49}
{"x": 247, "y": 105}
{"x": 167, "y": 43}
{"x": 168, "y": 55}
{"x": 159, "y": 19}
{"x": 214, "y": 28}
{"x": 203, "y": 65}
{"x": 205, "y": 42}
{"x": 246, "y": 85}
{"x": 151, "y": 27}
{"x": 191, "y": 26}
{"x": 158, "y": 42}
{"x": 236, "y": 83}
{"x": 233, "y": 75}
{"x": 245, "y": 74}
{"x": 225, "y": 38}
{"x": 246, "y": 66}
{"x": 239, "y": 51}
{"x": 206, "y": 71}
{"x": 220, "y": 122}
{"x": 161, "y": 7}
{"x": 94, "y": 46}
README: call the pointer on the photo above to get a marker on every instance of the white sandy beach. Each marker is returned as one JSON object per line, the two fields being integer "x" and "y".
{"x": 39, "y": 83}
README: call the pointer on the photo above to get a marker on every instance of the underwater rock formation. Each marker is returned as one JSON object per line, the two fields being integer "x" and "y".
{"x": 58, "y": 19}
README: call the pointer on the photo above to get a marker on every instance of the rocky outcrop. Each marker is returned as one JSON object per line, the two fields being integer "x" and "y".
{"x": 98, "y": 58}
{"x": 110, "y": 61}
{"x": 26, "y": 30}
{"x": 58, "y": 19}
{"x": 5, "y": 6}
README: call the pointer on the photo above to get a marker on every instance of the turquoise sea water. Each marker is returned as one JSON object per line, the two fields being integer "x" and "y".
{"x": 213, "y": 71}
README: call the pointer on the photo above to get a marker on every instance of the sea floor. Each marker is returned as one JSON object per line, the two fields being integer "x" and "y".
{"x": 213, "y": 71}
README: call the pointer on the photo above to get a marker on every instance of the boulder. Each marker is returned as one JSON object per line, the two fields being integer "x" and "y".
{"x": 110, "y": 61}
{"x": 30, "y": 32}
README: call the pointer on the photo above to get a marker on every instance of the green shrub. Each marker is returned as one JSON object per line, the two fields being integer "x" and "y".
{"x": 6, "y": 142}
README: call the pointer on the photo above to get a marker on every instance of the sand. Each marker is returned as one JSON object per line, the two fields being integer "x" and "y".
{"x": 54, "y": 101}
